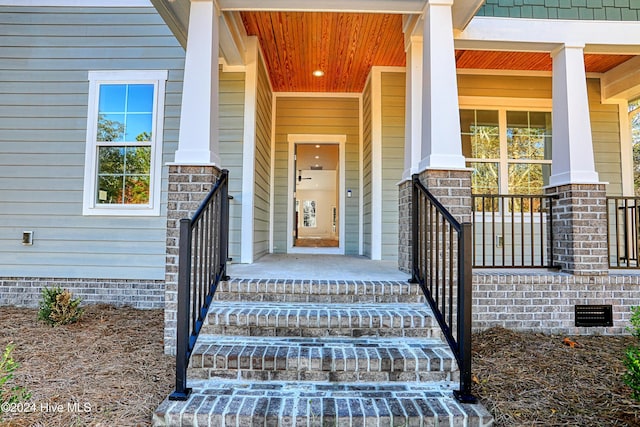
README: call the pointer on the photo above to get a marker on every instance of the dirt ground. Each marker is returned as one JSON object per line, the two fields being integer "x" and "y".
{"x": 109, "y": 370}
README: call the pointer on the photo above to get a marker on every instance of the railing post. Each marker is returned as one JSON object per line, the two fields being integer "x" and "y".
{"x": 224, "y": 225}
{"x": 465, "y": 283}
{"x": 184, "y": 293}
{"x": 414, "y": 229}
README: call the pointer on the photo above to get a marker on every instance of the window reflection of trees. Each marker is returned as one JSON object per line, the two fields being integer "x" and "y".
{"x": 123, "y": 171}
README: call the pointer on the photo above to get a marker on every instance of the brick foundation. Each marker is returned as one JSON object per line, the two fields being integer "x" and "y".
{"x": 188, "y": 186}
{"x": 141, "y": 294}
{"x": 580, "y": 229}
{"x": 544, "y": 302}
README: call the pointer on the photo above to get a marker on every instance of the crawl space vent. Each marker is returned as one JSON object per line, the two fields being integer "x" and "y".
{"x": 593, "y": 315}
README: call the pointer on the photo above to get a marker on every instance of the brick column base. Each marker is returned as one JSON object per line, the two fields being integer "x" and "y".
{"x": 188, "y": 186}
{"x": 580, "y": 229}
{"x": 452, "y": 188}
{"x": 404, "y": 227}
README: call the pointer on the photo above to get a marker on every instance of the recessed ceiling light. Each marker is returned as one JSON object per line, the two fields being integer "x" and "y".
{"x": 317, "y": 146}
{"x": 318, "y": 73}
{"x": 317, "y": 157}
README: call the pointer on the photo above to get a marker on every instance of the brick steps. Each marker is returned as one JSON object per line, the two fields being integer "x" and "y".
{"x": 319, "y": 404}
{"x": 323, "y": 291}
{"x": 320, "y": 353}
{"x": 322, "y": 359}
{"x": 314, "y": 320}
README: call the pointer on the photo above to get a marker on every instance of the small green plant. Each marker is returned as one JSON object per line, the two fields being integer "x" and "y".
{"x": 9, "y": 393}
{"x": 58, "y": 307}
{"x": 632, "y": 356}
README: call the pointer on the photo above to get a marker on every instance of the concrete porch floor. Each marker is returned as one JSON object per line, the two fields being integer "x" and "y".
{"x": 317, "y": 267}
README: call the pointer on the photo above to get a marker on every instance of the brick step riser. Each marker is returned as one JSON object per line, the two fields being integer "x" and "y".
{"x": 324, "y": 376}
{"x": 315, "y": 298}
{"x": 266, "y": 331}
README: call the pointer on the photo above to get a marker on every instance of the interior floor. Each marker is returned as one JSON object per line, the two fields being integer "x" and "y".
{"x": 313, "y": 242}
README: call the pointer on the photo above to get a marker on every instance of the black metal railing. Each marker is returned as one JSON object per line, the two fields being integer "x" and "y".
{"x": 623, "y": 225}
{"x": 514, "y": 231}
{"x": 441, "y": 264}
{"x": 203, "y": 251}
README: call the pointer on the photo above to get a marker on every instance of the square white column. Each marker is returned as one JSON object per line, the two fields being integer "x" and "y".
{"x": 441, "y": 142}
{"x": 198, "y": 137}
{"x": 413, "y": 108}
{"x": 572, "y": 150}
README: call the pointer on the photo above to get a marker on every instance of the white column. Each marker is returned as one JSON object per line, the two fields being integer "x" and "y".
{"x": 441, "y": 142}
{"x": 198, "y": 138}
{"x": 413, "y": 108}
{"x": 572, "y": 150}
{"x": 249, "y": 151}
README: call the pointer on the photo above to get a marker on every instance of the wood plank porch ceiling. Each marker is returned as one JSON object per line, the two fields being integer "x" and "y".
{"x": 346, "y": 45}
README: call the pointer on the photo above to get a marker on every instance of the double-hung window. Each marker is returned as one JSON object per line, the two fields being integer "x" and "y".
{"x": 508, "y": 150}
{"x": 124, "y": 143}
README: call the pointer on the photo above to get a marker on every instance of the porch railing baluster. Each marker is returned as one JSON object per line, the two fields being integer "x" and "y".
{"x": 623, "y": 231}
{"x": 521, "y": 228}
{"x": 203, "y": 253}
{"x": 441, "y": 265}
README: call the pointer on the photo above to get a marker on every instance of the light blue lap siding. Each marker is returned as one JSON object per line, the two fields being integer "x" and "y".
{"x": 46, "y": 55}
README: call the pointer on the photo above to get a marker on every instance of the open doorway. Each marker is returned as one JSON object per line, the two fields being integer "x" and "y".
{"x": 316, "y": 196}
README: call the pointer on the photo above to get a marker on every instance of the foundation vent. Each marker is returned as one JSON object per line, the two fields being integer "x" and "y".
{"x": 594, "y": 315}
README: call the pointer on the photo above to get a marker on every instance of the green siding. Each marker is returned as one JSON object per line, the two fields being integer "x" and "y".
{"x": 605, "y": 131}
{"x": 586, "y": 10}
{"x": 393, "y": 106}
{"x": 46, "y": 55}
{"x": 366, "y": 168}
{"x": 323, "y": 116}
{"x": 231, "y": 145}
{"x": 262, "y": 192}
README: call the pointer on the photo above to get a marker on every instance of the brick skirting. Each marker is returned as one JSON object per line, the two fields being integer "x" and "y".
{"x": 545, "y": 301}
{"x": 142, "y": 294}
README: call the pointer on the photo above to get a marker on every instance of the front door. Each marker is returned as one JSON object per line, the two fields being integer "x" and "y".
{"x": 316, "y": 198}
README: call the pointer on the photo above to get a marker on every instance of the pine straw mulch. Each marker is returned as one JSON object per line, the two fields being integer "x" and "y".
{"x": 110, "y": 364}
{"x": 113, "y": 362}
{"x": 529, "y": 379}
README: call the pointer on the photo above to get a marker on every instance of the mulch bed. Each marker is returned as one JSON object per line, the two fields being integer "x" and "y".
{"x": 110, "y": 370}
{"x": 529, "y": 379}
{"x": 107, "y": 370}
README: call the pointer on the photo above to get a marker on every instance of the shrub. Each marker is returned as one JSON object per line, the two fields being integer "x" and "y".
{"x": 58, "y": 307}
{"x": 10, "y": 394}
{"x": 632, "y": 356}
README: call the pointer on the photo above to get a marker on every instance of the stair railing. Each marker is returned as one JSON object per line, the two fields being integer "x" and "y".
{"x": 442, "y": 266}
{"x": 203, "y": 252}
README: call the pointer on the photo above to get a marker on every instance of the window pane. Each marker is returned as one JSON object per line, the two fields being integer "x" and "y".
{"x": 480, "y": 134}
{"x": 110, "y": 189}
{"x": 110, "y": 160}
{"x": 140, "y": 99}
{"x": 528, "y": 178}
{"x": 484, "y": 179}
{"x": 139, "y": 127}
{"x": 138, "y": 160}
{"x": 112, "y": 98}
{"x": 528, "y": 135}
{"x": 136, "y": 190}
{"x": 110, "y": 127}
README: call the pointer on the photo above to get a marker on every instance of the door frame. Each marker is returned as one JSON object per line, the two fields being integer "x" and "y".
{"x": 340, "y": 140}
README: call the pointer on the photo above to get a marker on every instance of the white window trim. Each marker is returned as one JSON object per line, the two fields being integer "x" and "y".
{"x": 502, "y": 105}
{"x": 156, "y": 77}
